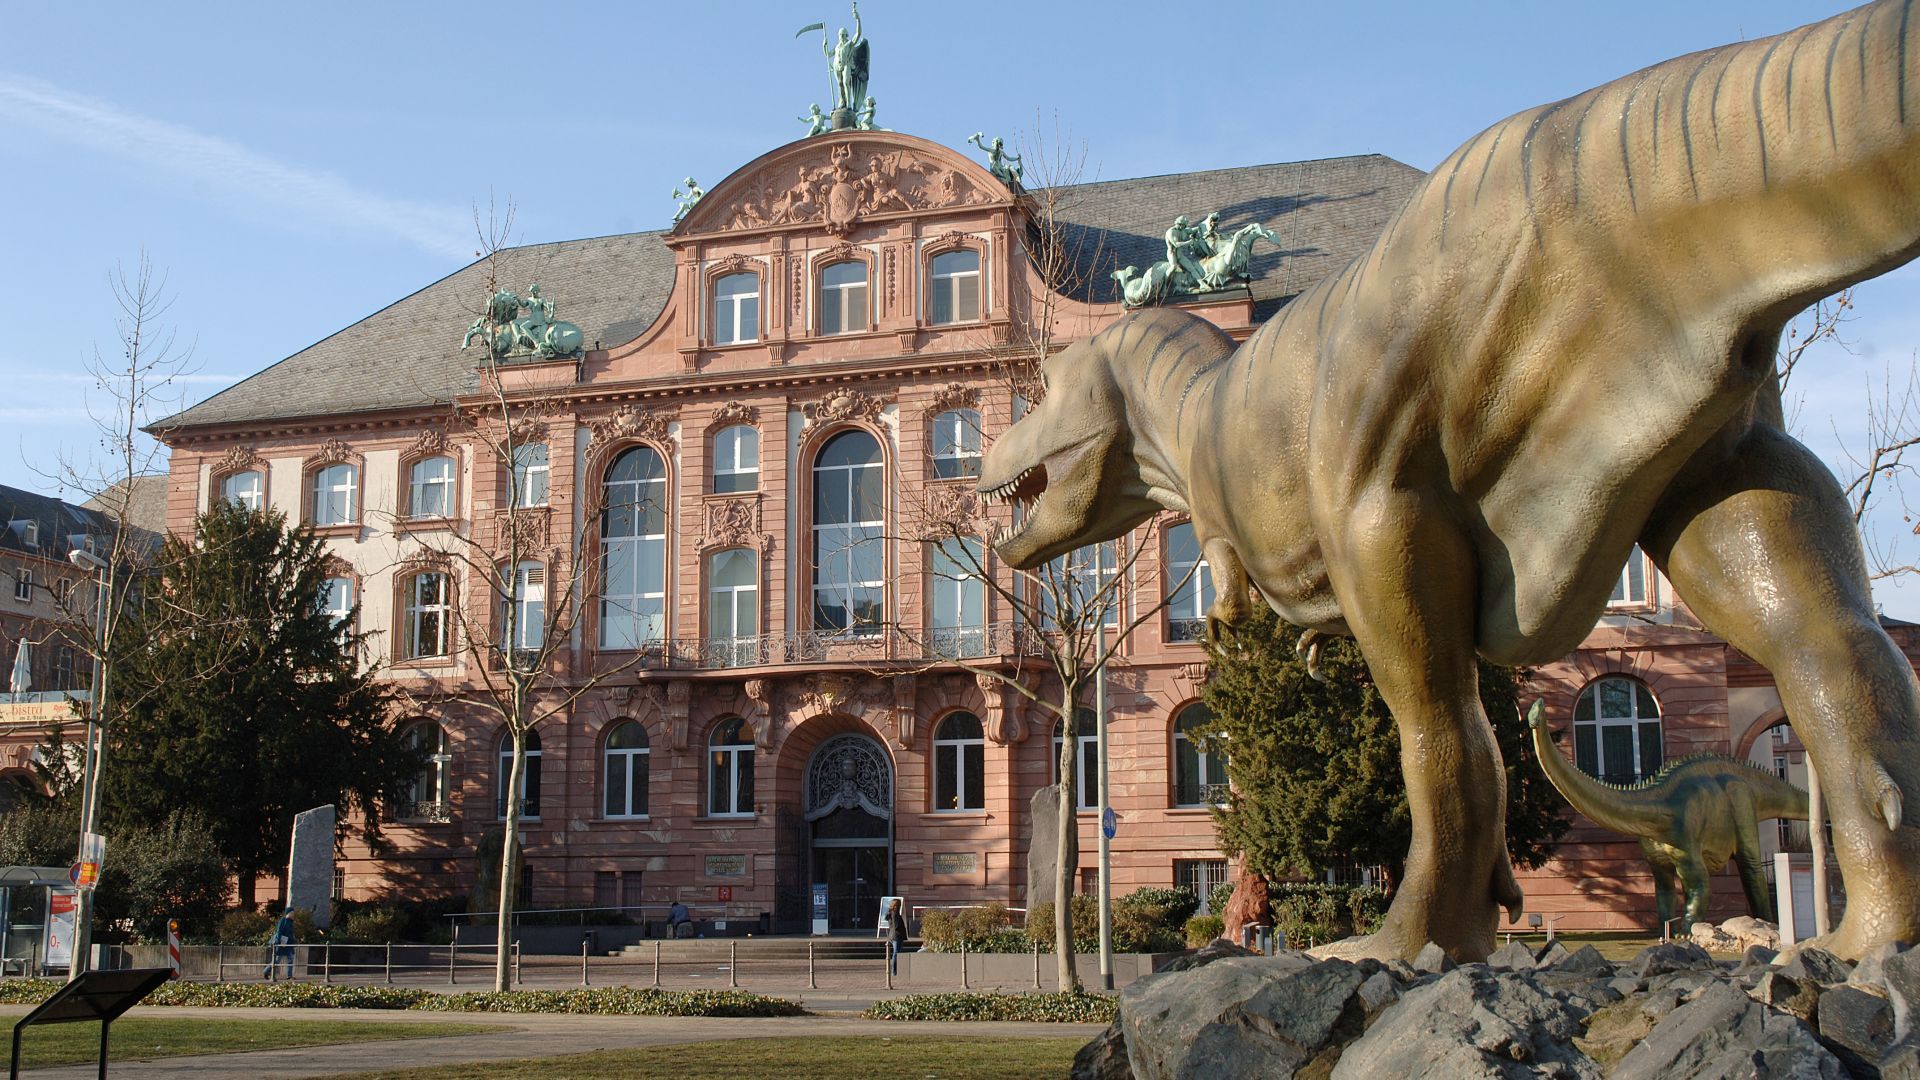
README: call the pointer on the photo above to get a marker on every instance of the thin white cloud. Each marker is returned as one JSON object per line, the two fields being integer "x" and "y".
{"x": 231, "y": 170}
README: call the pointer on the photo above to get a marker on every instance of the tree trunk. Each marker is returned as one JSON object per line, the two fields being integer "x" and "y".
{"x": 1067, "y": 861}
{"x": 509, "y": 863}
{"x": 246, "y": 883}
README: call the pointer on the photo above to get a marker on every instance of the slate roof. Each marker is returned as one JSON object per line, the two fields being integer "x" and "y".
{"x": 58, "y": 521}
{"x": 613, "y": 287}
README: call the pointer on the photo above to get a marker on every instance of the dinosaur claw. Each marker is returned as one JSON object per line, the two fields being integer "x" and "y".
{"x": 1887, "y": 798}
{"x": 1309, "y": 643}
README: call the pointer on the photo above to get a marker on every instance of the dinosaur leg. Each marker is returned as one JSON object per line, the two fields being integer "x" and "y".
{"x": 1759, "y": 541}
{"x": 1694, "y": 876}
{"x": 1662, "y": 888}
{"x": 1416, "y": 631}
{"x": 1747, "y": 857}
{"x": 1230, "y": 591}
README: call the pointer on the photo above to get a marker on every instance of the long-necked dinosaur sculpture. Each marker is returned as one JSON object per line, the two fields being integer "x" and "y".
{"x": 1690, "y": 817}
{"x": 1561, "y": 347}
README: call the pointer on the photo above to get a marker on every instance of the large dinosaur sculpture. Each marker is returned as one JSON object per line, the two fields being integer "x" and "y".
{"x": 1561, "y": 347}
{"x": 1690, "y": 818}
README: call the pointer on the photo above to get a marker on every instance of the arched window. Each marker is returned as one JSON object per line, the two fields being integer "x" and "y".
{"x": 633, "y": 545}
{"x": 331, "y": 495}
{"x": 530, "y": 779}
{"x": 336, "y": 603}
{"x": 527, "y": 608}
{"x": 1200, "y": 778}
{"x": 530, "y": 473}
{"x": 426, "y": 630}
{"x": 849, "y": 557}
{"x": 843, "y": 298}
{"x": 1187, "y": 607}
{"x": 956, "y": 443}
{"x": 245, "y": 489}
{"x": 958, "y": 597}
{"x": 730, "y": 770}
{"x": 627, "y": 756}
{"x": 736, "y": 459}
{"x": 430, "y": 488}
{"x": 736, "y": 309}
{"x": 733, "y": 607}
{"x": 959, "y": 763}
{"x": 1087, "y": 771}
{"x": 427, "y": 797}
{"x": 955, "y": 287}
{"x": 1616, "y": 731}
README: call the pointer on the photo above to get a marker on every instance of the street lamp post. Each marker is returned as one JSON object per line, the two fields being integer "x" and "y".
{"x": 96, "y": 745}
{"x": 1106, "y": 834}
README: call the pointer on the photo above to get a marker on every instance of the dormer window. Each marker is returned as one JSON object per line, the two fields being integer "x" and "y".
{"x": 30, "y": 533}
{"x": 843, "y": 298}
{"x": 736, "y": 309}
{"x": 956, "y": 288}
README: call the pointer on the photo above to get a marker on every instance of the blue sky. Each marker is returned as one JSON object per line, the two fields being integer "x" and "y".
{"x": 293, "y": 168}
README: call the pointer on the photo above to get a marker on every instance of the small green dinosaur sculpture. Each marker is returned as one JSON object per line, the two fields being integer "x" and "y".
{"x": 1690, "y": 818}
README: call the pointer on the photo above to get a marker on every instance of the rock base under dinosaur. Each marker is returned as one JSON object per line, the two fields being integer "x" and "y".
{"x": 1672, "y": 1011}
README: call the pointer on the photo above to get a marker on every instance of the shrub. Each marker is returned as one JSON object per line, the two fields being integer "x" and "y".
{"x": 1310, "y": 911}
{"x": 373, "y": 926}
{"x": 1179, "y": 902}
{"x": 288, "y": 995}
{"x": 172, "y": 869}
{"x": 1086, "y": 925}
{"x": 1063, "y": 1008}
{"x": 1142, "y": 928}
{"x": 1367, "y": 908}
{"x": 1202, "y": 929}
{"x": 1219, "y": 897}
{"x": 243, "y": 927}
{"x": 978, "y": 929}
{"x": 615, "y": 1001}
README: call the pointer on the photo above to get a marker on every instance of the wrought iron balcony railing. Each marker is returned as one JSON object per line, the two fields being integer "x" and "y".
{"x": 437, "y": 812}
{"x": 862, "y": 645}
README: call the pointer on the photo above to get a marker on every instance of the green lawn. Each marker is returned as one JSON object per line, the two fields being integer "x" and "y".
{"x": 838, "y": 1058}
{"x": 137, "y": 1037}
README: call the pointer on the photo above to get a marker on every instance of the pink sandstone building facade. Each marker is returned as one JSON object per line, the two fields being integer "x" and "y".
{"x": 818, "y": 347}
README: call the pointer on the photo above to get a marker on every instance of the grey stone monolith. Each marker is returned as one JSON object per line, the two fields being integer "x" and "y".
{"x": 310, "y": 867}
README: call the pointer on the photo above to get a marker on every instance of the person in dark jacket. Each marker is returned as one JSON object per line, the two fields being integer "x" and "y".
{"x": 896, "y": 932}
{"x": 280, "y": 950}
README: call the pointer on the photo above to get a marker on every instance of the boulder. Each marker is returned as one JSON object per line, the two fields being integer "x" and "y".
{"x": 1673, "y": 956}
{"x": 1818, "y": 965}
{"x": 1513, "y": 956}
{"x": 1379, "y": 991}
{"x": 1756, "y": 959}
{"x": 1217, "y": 949}
{"x": 1870, "y": 973}
{"x": 1748, "y": 932}
{"x": 1432, "y": 959}
{"x": 1471, "y": 1022}
{"x": 1709, "y": 937}
{"x": 1784, "y": 992}
{"x": 1240, "y": 1016}
{"x": 1550, "y": 954}
{"x": 1857, "y": 1027}
{"x": 1725, "y": 1033}
{"x": 1587, "y": 961}
{"x": 1105, "y": 1058}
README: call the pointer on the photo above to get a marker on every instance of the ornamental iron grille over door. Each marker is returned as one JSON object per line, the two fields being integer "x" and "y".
{"x": 849, "y": 772}
{"x": 849, "y": 812}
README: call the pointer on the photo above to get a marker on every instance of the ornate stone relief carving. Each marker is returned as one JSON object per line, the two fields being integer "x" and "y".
{"x": 955, "y": 508}
{"x": 952, "y": 238}
{"x": 845, "y": 404}
{"x": 732, "y": 264}
{"x": 331, "y": 452}
{"x": 528, "y": 429}
{"x": 238, "y": 459}
{"x": 735, "y": 412}
{"x": 1006, "y": 709}
{"x": 840, "y": 181}
{"x": 678, "y": 696}
{"x": 952, "y": 396}
{"x": 735, "y": 523}
{"x": 906, "y": 718}
{"x": 428, "y": 443}
{"x": 759, "y": 711}
{"x": 530, "y": 528}
{"x": 629, "y": 421}
{"x": 893, "y": 273}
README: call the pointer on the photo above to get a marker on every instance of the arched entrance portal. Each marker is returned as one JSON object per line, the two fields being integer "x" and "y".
{"x": 850, "y": 818}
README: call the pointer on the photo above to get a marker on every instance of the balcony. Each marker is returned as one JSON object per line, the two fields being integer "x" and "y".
{"x": 869, "y": 646}
{"x": 436, "y": 812}
{"x": 1186, "y": 630}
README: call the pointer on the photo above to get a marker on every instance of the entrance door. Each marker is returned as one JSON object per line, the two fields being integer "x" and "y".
{"x": 856, "y": 879}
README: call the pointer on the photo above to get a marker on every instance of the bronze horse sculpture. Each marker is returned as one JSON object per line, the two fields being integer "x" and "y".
{"x": 1561, "y": 347}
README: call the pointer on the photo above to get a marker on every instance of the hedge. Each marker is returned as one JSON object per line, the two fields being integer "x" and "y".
{"x": 1062, "y": 1008}
{"x": 599, "y": 1001}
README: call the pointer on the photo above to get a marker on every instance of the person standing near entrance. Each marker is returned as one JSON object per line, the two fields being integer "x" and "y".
{"x": 896, "y": 933}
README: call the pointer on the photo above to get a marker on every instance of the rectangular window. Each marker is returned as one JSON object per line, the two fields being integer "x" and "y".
{"x": 1201, "y": 876}
{"x": 843, "y": 298}
{"x": 1634, "y": 587}
{"x": 430, "y": 488}
{"x": 332, "y": 501}
{"x": 959, "y": 598}
{"x": 606, "y": 889}
{"x": 530, "y": 473}
{"x": 736, "y": 309}
{"x": 632, "y": 895}
{"x": 1187, "y": 607}
{"x": 23, "y": 586}
{"x": 427, "y": 615}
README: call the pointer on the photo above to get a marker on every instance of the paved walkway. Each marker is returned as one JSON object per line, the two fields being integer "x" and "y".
{"x": 519, "y": 1036}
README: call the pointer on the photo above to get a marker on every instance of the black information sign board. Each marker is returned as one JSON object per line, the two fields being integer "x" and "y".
{"x": 95, "y": 995}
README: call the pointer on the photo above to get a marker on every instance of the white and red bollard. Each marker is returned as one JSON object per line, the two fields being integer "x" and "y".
{"x": 173, "y": 947}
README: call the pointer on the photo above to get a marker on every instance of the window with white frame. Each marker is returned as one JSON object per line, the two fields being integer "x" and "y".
{"x": 1201, "y": 877}
{"x": 633, "y": 546}
{"x": 331, "y": 492}
{"x": 336, "y": 603}
{"x": 247, "y": 490}
{"x": 849, "y": 556}
{"x": 959, "y": 763}
{"x": 736, "y": 459}
{"x": 1186, "y": 566}
{"x": 1635, "y": 587}
{"x": 426, "y": 631}
{"x": 527, "y": 608}
{"x": 530, "y": 474}
{"x": 1085, "y": 582}
{"x": 529, "y": 778}
{"x": 736, "y": 309}
{"x": 23, "y": 585}
{"x": 628, "y": 755}
{"x": 733, "y": 607}
{"x": 427, "y": 796}
{"x": 1616, "y": 731}
{"x": 956, "y": 443}
{"x": 843, "y": 298}
{"x": 30, "y": 533}
{"x": 430, "y": 488}
{"x": 730, "y": 770}
{"x": 955, "y": 285}
{"x": 959, "y": 597}
{"x": 1086, "y": 773}
{"x": 1199, "y": 777}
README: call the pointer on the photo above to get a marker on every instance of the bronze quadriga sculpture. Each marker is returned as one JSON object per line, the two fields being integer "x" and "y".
{"x": 1561, "y": 347}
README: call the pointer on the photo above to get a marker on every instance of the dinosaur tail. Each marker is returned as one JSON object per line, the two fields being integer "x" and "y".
{"x": 1608, "y": 806}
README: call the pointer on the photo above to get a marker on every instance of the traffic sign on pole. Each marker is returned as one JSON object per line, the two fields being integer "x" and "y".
{"x": 1110, "y": 824}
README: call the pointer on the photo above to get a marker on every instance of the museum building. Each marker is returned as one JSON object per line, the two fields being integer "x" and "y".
{"x": 774, "y": 387}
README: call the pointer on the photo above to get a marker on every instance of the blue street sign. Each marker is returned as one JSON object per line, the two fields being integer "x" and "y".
{"x": 1110, "y": 823}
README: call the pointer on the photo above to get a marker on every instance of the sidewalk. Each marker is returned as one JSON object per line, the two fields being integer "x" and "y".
{"x": 519, "y": 1036}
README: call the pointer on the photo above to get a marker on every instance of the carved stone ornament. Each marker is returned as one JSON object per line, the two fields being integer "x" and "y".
{"x": 955, "y": 508}
{"x": 952, "y": 238}
{"x": 845, "y": 404}
{"x": 1006, "y": 709}
{"x": 759, "y": 711}
{"x": 732, "y": 264}
{"x": 528, "y": 528}
{"x": 527, "y": 429}
{"x": 678, "y": 692}
{"x": 735, "y": 412}
{"x": 331, "y": 452}
{"x": 842, "y": 252}
{"x": 893, "y": 273}
{"x": 238, "y": 459}
{"x": 849, "y": 771}
{"x": 952, "y": 396}
{"x": 735, "y": 523}
{"x": 906, "y": 718}
{"x": 629, "y": 421}
{"x": 837, "y": 182}
{"x": 428, "y": 443}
